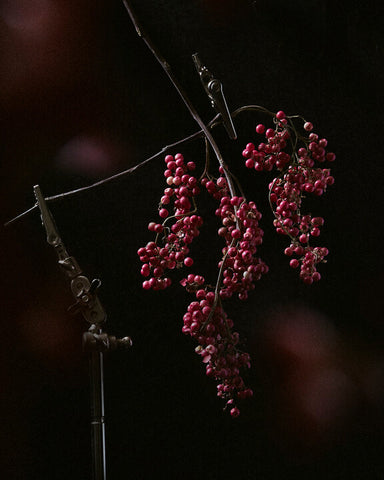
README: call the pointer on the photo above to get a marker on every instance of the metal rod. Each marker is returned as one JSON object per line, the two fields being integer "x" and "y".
{"x": 97, "y": 415}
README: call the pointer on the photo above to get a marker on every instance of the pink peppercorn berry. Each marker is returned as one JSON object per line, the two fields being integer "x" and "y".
{"x": 235, "y": 412}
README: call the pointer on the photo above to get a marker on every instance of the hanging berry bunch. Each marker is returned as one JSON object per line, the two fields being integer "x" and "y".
{"x": 298, "y": 157}
{"x": 206, "y": 320}
{"x": 170, "y": 248}
{"x": 238, "y": 269}
{"x": 295, "y": 156}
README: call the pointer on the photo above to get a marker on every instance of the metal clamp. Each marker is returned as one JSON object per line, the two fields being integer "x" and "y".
{"x": 214, "y": 89}
{"x": 84, "y": 291}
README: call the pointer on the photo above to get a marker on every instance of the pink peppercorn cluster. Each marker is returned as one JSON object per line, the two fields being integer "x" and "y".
{"x": 242, "y": 234}
{"x": 296, "y": 157}
{"x": 239, "y": 268}
{"x": 209, "y": 325}
{"x": 176, "y": 232}
{"x": 299, "y": 175}
{"x": 269, "y": 154}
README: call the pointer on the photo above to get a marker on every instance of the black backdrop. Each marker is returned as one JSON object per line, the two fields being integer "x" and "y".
{"x": 77, "y": 83}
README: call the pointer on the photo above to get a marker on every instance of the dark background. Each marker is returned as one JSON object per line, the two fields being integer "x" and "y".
{"x": 81, "y": 98}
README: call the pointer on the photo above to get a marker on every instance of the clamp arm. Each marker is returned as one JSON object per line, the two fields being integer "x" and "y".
{"x": 214, "y": 89}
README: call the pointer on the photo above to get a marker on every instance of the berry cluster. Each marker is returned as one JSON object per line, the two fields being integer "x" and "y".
{"x": 269, "y": 154}
{"x": 176, "y": 232}
{"x": 209, "y": 325}
{"x": 296, "y": 158}
{"x": 241, "y": 268}
{"x": 298, "y": 176}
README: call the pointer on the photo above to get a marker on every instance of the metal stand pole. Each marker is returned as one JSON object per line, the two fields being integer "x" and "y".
{"x": 97, "y": 415}
{"x": 95, "y": 342}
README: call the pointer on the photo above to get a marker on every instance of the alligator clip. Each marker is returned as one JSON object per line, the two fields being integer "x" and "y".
{"x": 84, "y": 291}
{"x": 53, "y": 237}
{"x": 68, "y": 263}
{"x": 214, "y": 90}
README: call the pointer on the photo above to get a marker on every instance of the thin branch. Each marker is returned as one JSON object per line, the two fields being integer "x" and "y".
{"x": 213, "y": 123}
{"x": 128, "y": 171}
{"x": 117, "y": 176}
{"x": 20, "y": 216}
{"x": 166, "y": 67}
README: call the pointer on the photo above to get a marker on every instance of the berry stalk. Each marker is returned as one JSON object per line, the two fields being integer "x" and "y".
{"x": 192, "y": 110}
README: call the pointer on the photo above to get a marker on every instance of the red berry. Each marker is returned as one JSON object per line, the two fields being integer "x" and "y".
{"x": 163, "y": 212}
{"x": 294, "y": 263}
{"x": 235, "y": 412}
{"x": 260, "y": 129}
{"x": 250, "y": 163}
{"x": 188, "y": 262}
{"x": 146, "y": 285}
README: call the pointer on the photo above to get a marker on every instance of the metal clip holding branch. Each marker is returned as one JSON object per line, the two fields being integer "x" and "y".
{"x": 83, "y": 290}
{"x": 68, "y": 263}
{"x": 95, "y": 341}
{"x": 214, "y": 90}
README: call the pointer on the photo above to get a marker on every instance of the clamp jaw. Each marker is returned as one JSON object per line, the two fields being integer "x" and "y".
{"x": 214, "y": 89}
{"x": 83, "y": 290}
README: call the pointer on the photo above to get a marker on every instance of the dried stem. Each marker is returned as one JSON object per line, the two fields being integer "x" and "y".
{"x": 201, "y": 133}
{"x": 166, "y": 67}
{"x": 117, "y": 176}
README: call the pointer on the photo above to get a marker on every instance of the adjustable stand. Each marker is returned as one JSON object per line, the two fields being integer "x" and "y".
{"x": 95, "y": 341}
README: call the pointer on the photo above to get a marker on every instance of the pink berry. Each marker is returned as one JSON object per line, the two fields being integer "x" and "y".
{"x": 146, "y": 285}
{"x": 188, "y": 262}
{"x": 294, "y": 263}
{"x": 260, "y": 129}
{"x": 145, "y": 270}
{"x": 163, "y": 212}
{"x": 303, "y": 238}
{"x": 317, "y": 221}
{"x": 235, "y": 412}
{"x": 250, "y": 163}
